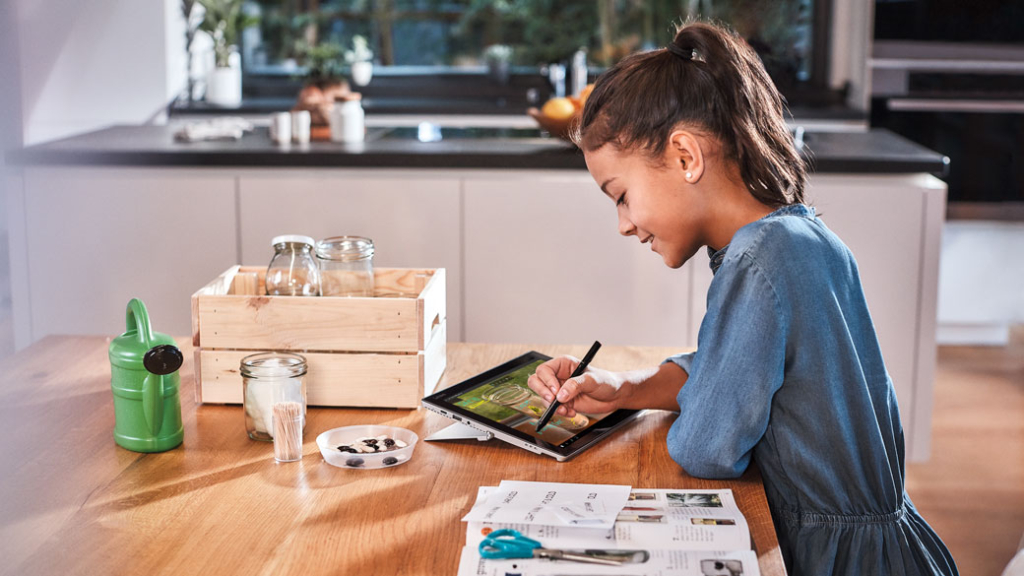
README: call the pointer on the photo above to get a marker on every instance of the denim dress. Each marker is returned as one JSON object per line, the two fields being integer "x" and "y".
{"x": 788, "y": 371}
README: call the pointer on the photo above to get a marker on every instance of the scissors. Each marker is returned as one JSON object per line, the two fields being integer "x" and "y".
{"x": 505, "y": 544}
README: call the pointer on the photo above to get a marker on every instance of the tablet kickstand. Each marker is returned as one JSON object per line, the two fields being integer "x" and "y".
{"x": 460, "y": 432}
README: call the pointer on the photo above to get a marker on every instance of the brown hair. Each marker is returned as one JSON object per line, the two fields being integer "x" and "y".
{"x": 711, "y": 80}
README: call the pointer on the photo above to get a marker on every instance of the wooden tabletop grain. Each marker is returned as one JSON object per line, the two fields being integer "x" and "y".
{"x": 73, "y": 502}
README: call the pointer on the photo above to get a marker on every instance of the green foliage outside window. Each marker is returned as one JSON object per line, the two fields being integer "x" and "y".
{"x": 458, "y": 32}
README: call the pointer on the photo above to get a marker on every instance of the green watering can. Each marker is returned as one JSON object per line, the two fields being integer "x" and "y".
{"x": 144, "y": 378}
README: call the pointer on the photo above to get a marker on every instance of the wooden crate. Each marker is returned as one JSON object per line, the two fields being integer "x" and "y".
{"x": 385, "y": 351}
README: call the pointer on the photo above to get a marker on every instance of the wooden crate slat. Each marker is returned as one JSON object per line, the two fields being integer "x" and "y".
{"x": 292, "y": 323}
{"x": 358, "y": 380}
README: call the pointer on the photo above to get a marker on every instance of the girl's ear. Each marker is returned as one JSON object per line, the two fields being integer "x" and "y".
{"x": 685, "y": 154}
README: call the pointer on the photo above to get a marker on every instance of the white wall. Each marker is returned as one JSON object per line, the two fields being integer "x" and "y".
{"x": 85, "y": 65}
{"x": 10, "y": 137}
{"x": 981, "y": 282}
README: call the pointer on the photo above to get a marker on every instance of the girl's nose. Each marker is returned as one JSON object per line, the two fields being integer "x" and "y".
{"x": 626, "y": 228}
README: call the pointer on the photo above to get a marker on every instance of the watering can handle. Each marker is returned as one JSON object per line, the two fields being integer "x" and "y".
{"x": 137, "y": 319}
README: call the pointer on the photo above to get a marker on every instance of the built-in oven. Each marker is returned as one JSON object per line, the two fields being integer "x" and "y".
{"x": 950, "y": 75}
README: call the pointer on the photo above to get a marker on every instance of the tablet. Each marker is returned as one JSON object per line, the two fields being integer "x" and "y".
{"x": 499, "y": 402}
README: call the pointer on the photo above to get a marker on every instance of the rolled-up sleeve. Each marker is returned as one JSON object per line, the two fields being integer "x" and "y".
{"x": 737, "y": 368}
{"x": 684, "y": 360}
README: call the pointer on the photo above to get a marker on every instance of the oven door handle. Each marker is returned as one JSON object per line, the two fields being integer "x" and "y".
{"x": 956, "y": 105}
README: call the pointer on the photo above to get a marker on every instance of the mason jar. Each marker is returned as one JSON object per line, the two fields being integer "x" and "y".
{"x": 346, "y": 266}
{"x": 293, "y": 270}
{"x": 269, "y": 378}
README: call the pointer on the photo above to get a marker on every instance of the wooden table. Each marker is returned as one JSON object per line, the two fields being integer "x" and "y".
{"x": 73, "y": 502}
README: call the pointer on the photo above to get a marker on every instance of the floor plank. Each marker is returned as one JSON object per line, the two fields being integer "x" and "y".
{"x": 972, "y": 488}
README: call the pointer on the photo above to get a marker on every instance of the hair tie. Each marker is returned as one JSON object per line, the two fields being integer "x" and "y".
{"x": 684, "y": 53}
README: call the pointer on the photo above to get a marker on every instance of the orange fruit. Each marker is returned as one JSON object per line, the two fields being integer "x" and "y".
{"x": 559, "y": 109}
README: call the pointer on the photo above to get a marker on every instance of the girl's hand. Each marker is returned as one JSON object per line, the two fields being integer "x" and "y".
{"x": 595, "y": 392}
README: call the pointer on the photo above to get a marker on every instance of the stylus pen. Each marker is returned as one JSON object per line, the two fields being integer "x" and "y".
{"x": 580, "y": 369}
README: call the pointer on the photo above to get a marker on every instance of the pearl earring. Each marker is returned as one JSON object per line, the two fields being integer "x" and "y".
{"x": 689, "y": 175}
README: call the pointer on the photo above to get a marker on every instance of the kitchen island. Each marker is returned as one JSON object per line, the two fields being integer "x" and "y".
{"x": 76, "y": 503}
{"x": 528, "y": 241}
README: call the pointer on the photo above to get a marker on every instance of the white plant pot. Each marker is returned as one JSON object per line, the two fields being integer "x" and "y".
{"x": 362, "y": 72}
{"x": 224, "y": 86}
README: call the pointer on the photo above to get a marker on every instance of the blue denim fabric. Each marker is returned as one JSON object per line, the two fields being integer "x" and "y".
{"x": 788, "y": 371}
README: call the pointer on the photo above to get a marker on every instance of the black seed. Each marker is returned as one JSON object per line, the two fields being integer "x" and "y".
{"x": 354, "y": 462}
{"x": 347, "y": 449}
{"x": 389, "y": 442}
{"x": 390, "y": 460}
{"x": 370, "y": 442}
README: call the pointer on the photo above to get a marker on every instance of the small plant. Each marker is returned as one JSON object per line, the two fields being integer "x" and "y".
{"x": 224, "y": 21}
{"x": 323, "y": 62}
{"x": 498, "y": 53}
{"x": 360, "y": 51}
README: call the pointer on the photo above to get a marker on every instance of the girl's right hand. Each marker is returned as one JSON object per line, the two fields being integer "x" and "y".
{"x": 595, "y": 392}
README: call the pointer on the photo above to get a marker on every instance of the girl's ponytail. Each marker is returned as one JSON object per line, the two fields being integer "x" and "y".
{"x": 710, "y": 79}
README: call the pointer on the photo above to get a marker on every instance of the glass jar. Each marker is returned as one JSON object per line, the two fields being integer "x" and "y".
{"x": 269, "y": 378}
{"x": 293, "y": 270}
{"x": 346, "y": 266}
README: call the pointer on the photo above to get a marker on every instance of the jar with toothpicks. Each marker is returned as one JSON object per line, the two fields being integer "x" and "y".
{"x": 270, "y": 379}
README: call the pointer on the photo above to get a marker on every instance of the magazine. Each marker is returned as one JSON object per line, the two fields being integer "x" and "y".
{"x": 659, "y": 532}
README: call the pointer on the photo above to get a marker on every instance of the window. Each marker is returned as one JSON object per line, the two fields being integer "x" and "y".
{"x": 460, "y": 36}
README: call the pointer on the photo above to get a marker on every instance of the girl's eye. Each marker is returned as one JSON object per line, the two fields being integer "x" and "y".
{"x": 621, "y": 200}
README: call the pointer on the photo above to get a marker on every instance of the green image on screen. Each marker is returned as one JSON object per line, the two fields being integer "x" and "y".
{"x": 509, "y": 401}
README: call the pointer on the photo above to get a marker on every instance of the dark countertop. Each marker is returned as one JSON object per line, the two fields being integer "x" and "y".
{"x": 873, "y": 151}
{"x": 496, "y": 105}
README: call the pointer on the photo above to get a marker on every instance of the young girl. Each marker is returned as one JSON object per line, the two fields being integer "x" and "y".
{"x": 690, "y": 145}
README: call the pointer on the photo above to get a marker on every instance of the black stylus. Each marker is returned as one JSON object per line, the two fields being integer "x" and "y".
{"x": 580, "y": 369}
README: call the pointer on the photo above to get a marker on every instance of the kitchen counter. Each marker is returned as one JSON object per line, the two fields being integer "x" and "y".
{"x": 875, "y": 151}
{"x": 76, "y": 503}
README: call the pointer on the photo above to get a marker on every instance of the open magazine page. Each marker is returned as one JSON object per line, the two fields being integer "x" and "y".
{"x": 551, "y": 504}
{"x": 654, "y": 563}
{"x": 651, "y": 520}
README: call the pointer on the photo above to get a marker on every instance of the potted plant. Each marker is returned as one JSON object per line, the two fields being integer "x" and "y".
{"x": 223, "y": 21}
{"x": 360, "y": 58}
{"x": 324, "y": 80}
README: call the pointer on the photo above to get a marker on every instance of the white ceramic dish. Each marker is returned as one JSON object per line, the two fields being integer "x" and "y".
{"x": 329, "y": 441}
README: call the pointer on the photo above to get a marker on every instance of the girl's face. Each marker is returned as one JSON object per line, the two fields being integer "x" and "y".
{"x": 656, "y": 201}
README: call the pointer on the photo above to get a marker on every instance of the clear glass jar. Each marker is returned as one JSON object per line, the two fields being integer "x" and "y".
{"x": 346, "y": 266}
{"x": 293, "y": 270}
{"x": 269, "y": 378}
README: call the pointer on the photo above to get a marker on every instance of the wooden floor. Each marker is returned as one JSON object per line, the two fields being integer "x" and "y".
{"x": 972, "y": 489}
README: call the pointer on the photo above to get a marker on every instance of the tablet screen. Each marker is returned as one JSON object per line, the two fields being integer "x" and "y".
{"x": 502, "y": 398}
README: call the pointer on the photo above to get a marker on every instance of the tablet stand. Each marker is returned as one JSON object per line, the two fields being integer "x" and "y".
{"x": 460, "y": 432}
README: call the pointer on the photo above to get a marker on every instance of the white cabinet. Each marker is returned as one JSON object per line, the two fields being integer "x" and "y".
{"x": 413, "y": 217}
{"x": 95, "y": 238}
{"x": 544, "y": 263}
